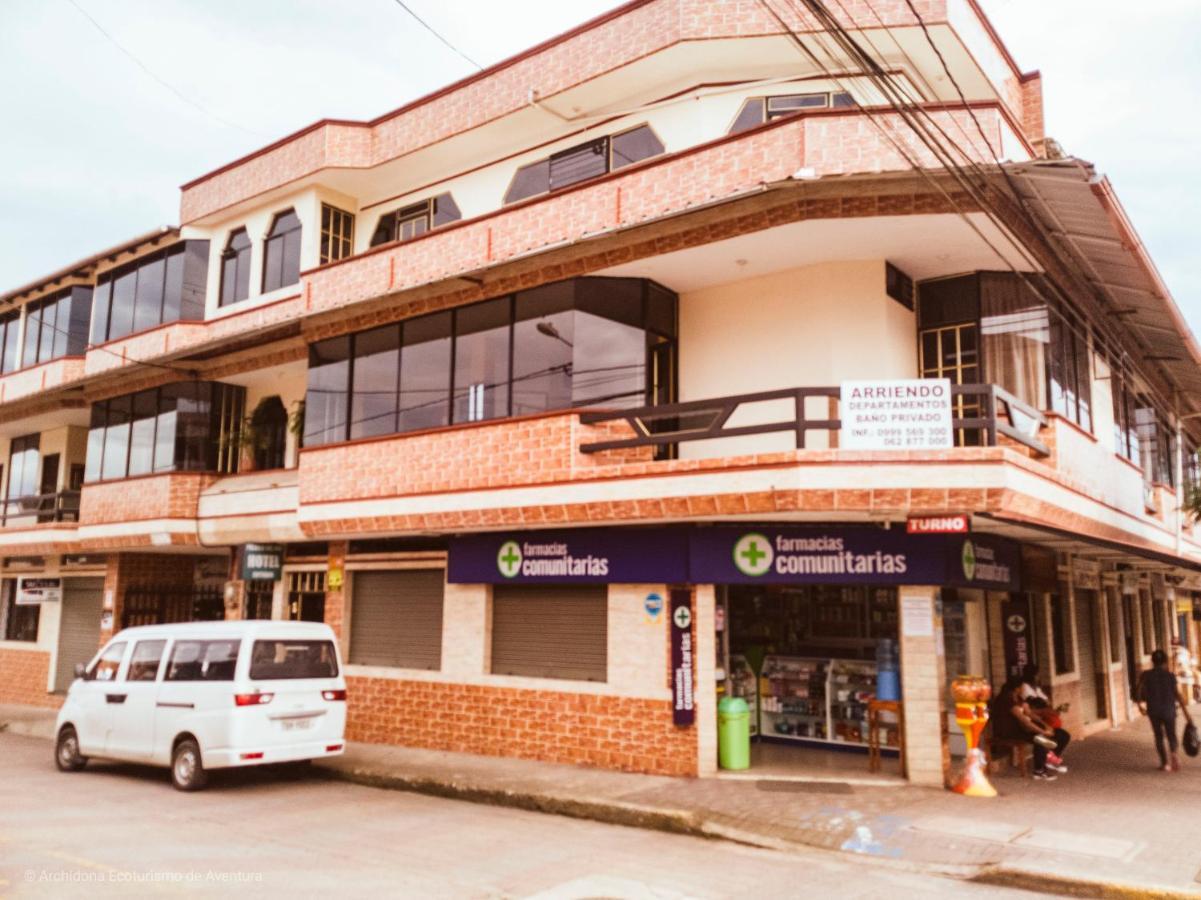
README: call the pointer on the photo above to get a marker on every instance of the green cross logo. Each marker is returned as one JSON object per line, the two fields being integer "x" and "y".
{"x": 682, "y": 617}
{"x": 969, "y": 560}
{"x": 753, "y": 555}
{"x": 508, "y": 560}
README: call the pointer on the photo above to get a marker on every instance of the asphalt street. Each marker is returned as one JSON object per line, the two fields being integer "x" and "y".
{"x": 118, "y": 829}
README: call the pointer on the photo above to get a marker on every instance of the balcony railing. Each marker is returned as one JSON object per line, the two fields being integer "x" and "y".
{"x": 983, "y": 412}
{"x": 39, "y": 508}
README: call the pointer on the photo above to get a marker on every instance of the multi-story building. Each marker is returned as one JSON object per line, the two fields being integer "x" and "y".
{"x": 539, "y": 388}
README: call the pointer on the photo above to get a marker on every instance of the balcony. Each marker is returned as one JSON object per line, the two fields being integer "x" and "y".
{"x": 44, "y": 377}
{"x": 141, "y": 511}
{"x": 40, "y": 509}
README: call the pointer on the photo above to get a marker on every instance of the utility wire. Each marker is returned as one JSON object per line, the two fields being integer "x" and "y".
{"x": 428, "y": 27}
{"x": 145, "y": 68}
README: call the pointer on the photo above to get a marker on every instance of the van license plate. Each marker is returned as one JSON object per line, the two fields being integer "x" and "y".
{"x": 296, "y": 724}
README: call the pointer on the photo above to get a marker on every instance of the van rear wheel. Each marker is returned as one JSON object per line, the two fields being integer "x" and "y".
{"x": 66, "y": 751}
{"x": 187, "y": 769}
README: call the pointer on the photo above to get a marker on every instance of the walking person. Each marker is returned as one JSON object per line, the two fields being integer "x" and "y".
{"x": 1158, "y": 695}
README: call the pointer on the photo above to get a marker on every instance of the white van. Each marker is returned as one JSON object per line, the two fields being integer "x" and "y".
{"x": 207, "y": 695}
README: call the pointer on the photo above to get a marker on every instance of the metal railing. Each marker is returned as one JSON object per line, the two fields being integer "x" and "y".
{"x": 984, "y": 411}
{"x": 38, "y": 508}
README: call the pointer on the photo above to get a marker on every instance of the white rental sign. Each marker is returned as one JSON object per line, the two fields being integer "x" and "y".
{"x": 33, "y": 591}
{"x": 901, "y": 414}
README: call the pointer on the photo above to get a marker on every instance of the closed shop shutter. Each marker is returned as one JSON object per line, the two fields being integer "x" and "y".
{"x": 79, "y": 627}
{"x": 551, "y": 632}
{"x": 396, "y": 619}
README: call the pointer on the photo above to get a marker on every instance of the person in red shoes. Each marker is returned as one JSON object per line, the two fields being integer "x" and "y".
{"x": 1158, "y": 695}
{"x": 1040, "y": 707}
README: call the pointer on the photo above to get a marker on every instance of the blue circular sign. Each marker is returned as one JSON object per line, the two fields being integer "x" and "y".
{"x": 653, "y": 604}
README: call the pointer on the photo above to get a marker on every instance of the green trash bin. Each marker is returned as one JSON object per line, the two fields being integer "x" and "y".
{"x": 733, "y": 733}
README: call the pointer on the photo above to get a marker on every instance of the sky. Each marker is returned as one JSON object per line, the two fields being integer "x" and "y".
{"x": 96, "y": 141}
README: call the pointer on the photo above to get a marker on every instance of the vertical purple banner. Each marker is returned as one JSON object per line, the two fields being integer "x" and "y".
{"x": 683, "y": 710}
{"x": 1015, "y": 616}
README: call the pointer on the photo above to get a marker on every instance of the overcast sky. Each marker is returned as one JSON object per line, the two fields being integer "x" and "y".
{"x": 94, "y": 148}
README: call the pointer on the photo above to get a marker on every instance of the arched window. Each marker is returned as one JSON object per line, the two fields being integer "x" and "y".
{"x": 269, "y": 424}
{"x": 235, "y": 269}
{"x": 281, "y": 257}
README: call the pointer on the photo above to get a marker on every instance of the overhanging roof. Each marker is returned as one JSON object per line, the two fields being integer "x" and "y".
{"x": 1079, "y": 210}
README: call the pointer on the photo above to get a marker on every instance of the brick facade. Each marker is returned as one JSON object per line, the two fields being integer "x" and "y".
{"x": 170, "y": 496}
{"x": 24, "y": 675}
{"x": 549, "y": 725}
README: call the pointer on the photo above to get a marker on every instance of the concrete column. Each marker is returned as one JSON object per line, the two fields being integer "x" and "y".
{"x": 923, "y": 686}
{"x": 335, "y": 596}
{"x": 466, "y": 630}
{"x": 705, "y": 691}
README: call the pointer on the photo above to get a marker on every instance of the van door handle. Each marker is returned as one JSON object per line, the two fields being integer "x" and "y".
{"x": 115, "y": 698}
{"x": 162, "y": 705}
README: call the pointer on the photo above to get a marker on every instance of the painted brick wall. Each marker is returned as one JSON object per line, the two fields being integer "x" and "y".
{"x": 641, "y": 29}
{"x": 35, "y": 379}
{"x": 23, "y": 678}
{"x": 170, "y": 496}
{"x": 551, "y": 726}
{"x": 533, "y": 450}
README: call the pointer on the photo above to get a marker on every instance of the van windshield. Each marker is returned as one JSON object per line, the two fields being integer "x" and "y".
{"x": 292, "y": 659}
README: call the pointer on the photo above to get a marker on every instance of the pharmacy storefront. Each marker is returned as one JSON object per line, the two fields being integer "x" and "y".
{"x": 802, "y": 622}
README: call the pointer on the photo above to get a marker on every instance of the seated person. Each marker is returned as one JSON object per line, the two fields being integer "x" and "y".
{"x": 1040, "y": 705}
{"x": 1013, "y": 720}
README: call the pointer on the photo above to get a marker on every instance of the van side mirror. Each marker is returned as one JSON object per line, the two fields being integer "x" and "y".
{"x": 81, "y": 671}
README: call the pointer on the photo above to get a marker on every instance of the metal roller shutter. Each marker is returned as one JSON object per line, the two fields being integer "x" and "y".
{"x": 79, "y": 627}
{"x": 396, "y": 619}
{"x": 551, "y": 632}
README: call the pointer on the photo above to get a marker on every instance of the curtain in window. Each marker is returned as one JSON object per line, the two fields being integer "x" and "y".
{"x": 1015, "y": 327}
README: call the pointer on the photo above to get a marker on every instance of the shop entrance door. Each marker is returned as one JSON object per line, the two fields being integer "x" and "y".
{"x": 1092, "y": 684}
{"x": 79, "y": 627}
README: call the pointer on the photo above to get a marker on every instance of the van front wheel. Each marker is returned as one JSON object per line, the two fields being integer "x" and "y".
{"x": 66, "y": 751}
{"x": 187, "y": 770}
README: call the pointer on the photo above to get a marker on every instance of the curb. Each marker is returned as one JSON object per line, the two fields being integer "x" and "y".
{"x": 1059, "y": 885}
{"x": 28, "y": 728}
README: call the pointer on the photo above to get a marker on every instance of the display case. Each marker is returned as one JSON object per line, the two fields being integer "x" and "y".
{"x": 741, "y": 682}
{"x": 813, "y": 699}
{"x": 793, "y": 698}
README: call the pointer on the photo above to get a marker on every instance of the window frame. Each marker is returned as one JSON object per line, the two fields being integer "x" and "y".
{"x": 341, "y": 236}
{"x": 233, "y": 255}
{"x": 282, "y": 238}
{"x": 22, "y": 623}
{"x": 427, "y": 209}
{"x": 765, "y": 99}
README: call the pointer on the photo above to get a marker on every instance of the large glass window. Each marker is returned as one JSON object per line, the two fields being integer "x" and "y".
{"x": 17, "y": 622}
{"x": 1069, "y": 369}
{"x": 235, "y": 269}
{"x": 337, "y": 234}
{"x": 167, "y": 286}
{"x": 416, "y": 219}
{"x": 758, "y": 110}
{"x": 1015, "y": 327}
{"x": 595, "y": 341}
{"x": 1125, "y": 417}
{"x": 10, "y": 347}
{"x": 23, "y": 462}
{"x": 188, "y": 426}
{"x": 591, "y": 159}
{"x": 481, "y": 383}
{"x": 56, "y": 326}
{"x": 281, "y": 252}
{"x": 1157, "y": 444}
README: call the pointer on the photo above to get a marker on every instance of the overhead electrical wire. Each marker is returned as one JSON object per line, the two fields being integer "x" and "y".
{"x": 162, "y": 81}
{"x": 428, "y": 27}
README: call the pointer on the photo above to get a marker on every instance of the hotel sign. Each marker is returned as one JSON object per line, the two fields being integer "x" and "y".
{"x": 898, "y": 414}
{"x": 262, "y": 562}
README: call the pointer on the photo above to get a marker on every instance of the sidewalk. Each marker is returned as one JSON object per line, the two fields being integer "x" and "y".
{"x": 1114, "y": 826}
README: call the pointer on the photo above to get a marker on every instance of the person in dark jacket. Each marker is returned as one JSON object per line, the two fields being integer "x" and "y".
{"x": 1158, "y": 695}
{"x": 1012, "y": 720}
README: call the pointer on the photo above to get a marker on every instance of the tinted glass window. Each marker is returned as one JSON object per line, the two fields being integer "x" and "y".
{"x": 543, "y": 348}
{"x": 635, "y": 145}
{"x": 23, "y": 461}
{"x": 281, "y": 259}
{"x": 445, "y": 210}
{"x": 235, "y": 269}
{"x": 105, "y": 668}
{"x": 425, "y": 373}
{"x": 148, "y": 303}
{"x": 293, "y": 659}
{"x": 141, "y": 432}
{"x": 10, "y": 332}
{"x": 326, "y": 402}
{"x": 143, "y": 664}
{"x": 103, "y": 297}
{"x": 529, "y": 181}
{"x": 752, "y": 113}
{"x": 568, "y": 167}
{"x": 120, "y": 317}
{"x": 116, "y": 438}
{"x": 482, "y": 361}
{"x": 96, "y": 441}
{"x": 203, "y": 661}
{"x": 376, "y": 373}
{"x": 164, "y": 432}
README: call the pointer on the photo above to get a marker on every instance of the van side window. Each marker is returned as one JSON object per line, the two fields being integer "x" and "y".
{"x": 293, "y": 659}
{"x": 143, "y": 664}
{"x": 203, "y": 661}
{"x": 105, "y": 668}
